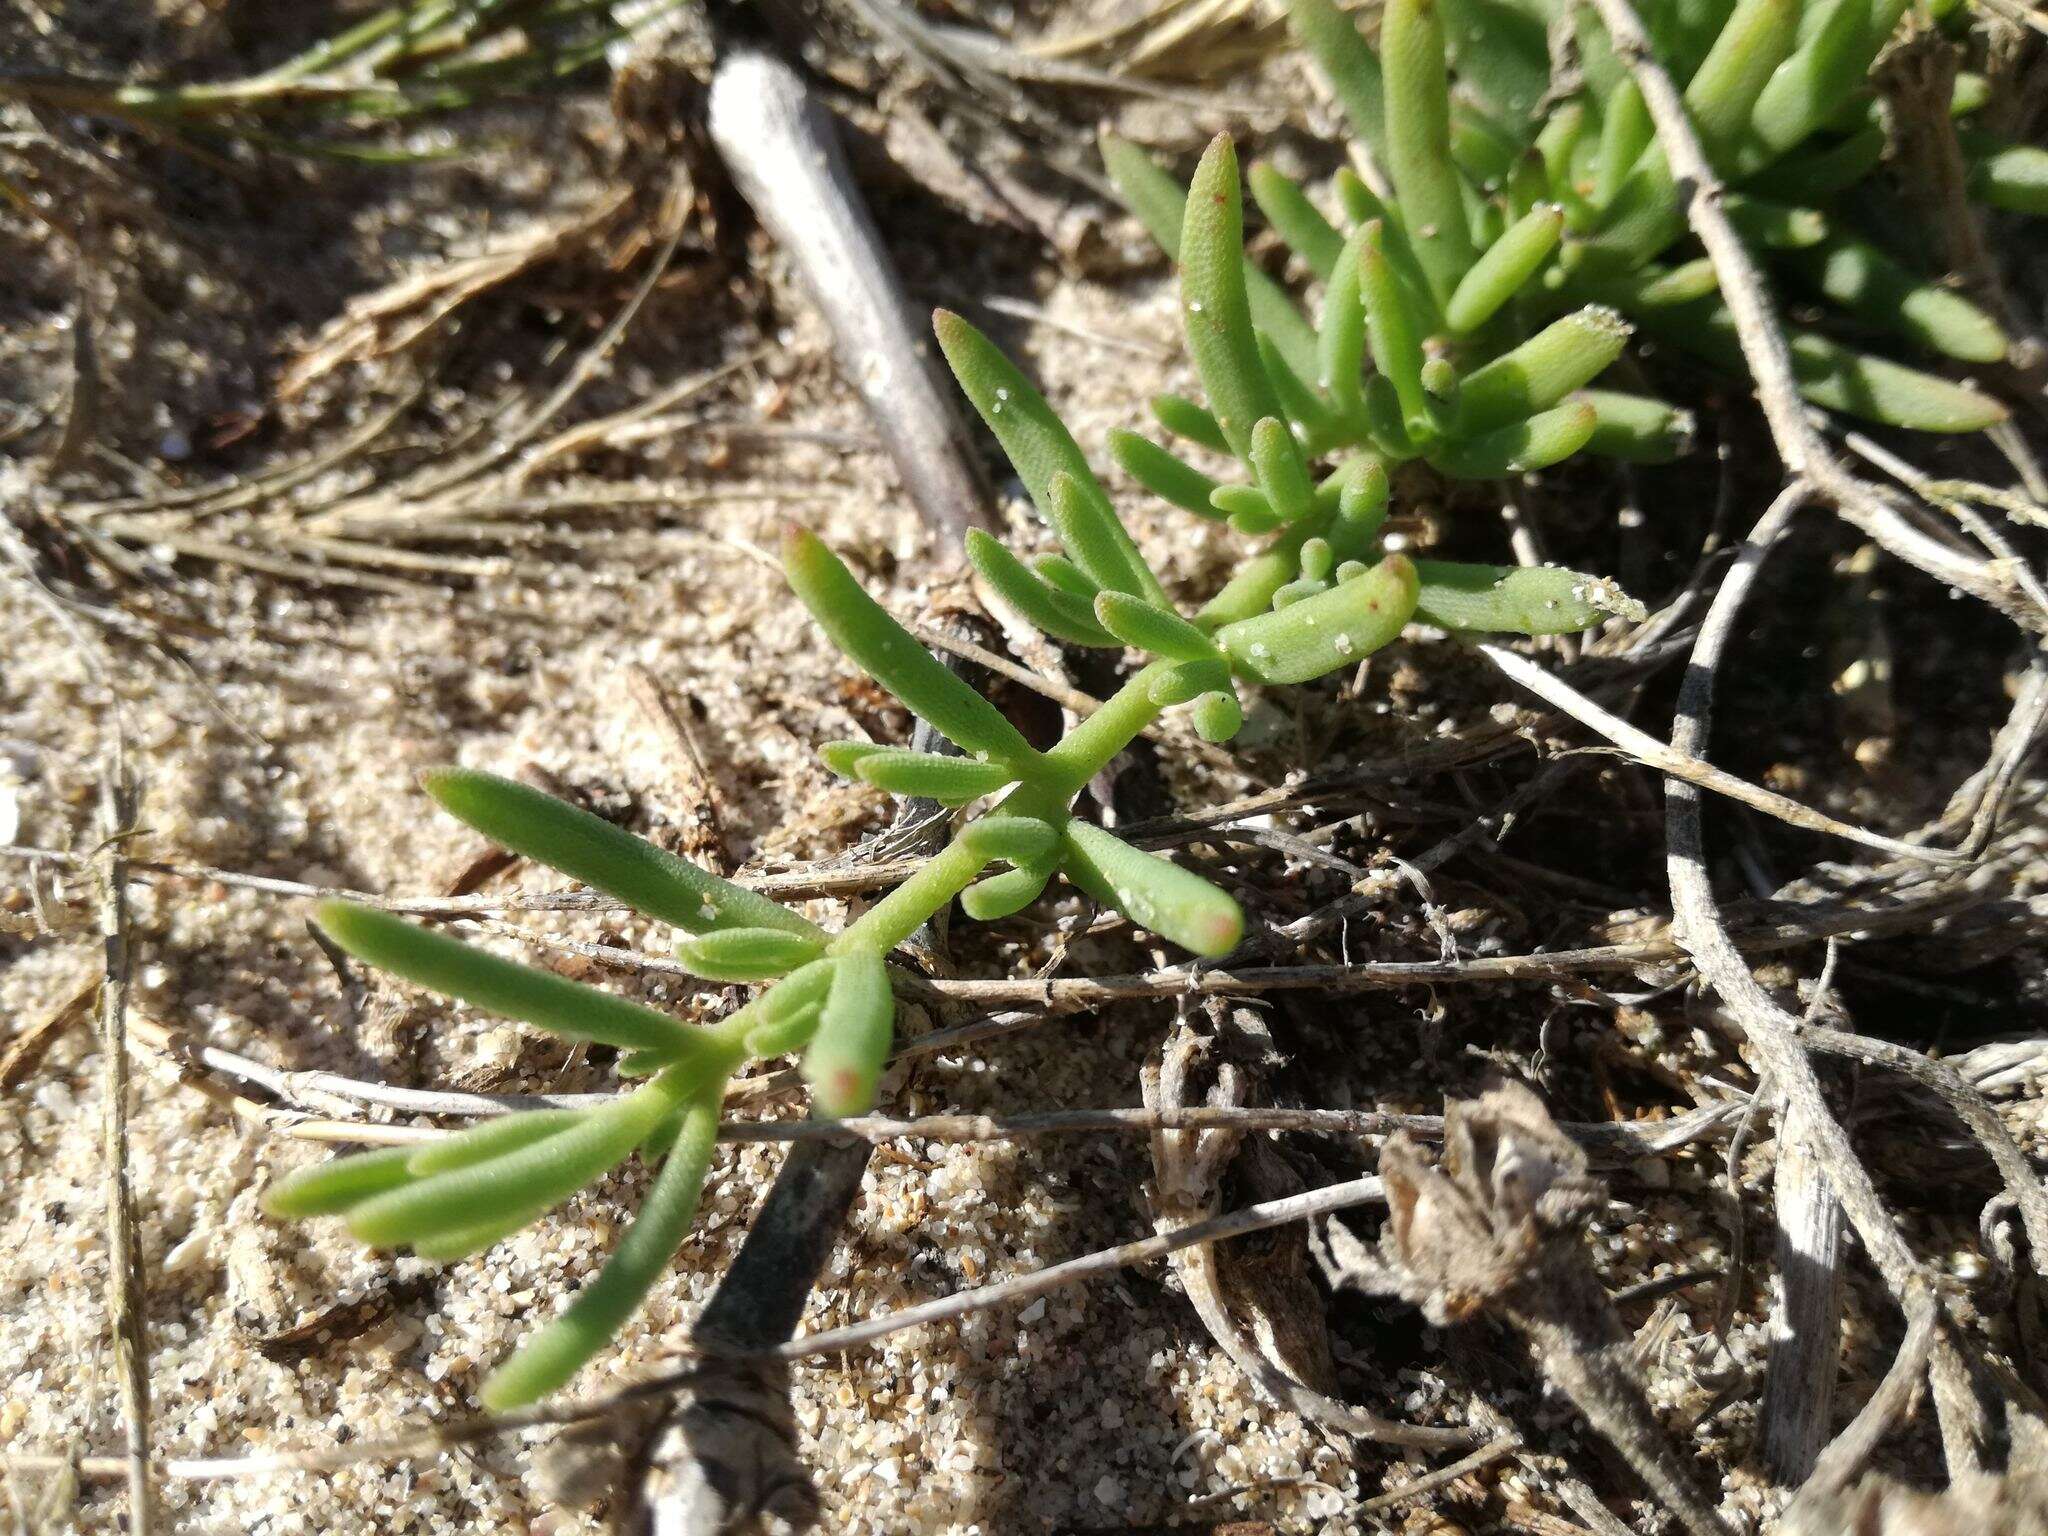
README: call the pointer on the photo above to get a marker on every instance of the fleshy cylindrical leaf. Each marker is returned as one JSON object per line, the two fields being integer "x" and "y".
{"x": 536, "y": 997}
{"x": 1340, "y": 339}
{"x": 1625, "y": 130}
{"x": 1144, "y": 627}
{"x": 1059, "y": 614}
{"x": 531, "y": 1180}
{"x": 1321, "y": 634}
{"x": 1841, "y": 379}
{"x": 1810, "y": 85}
{"x": 1154, "y": 892}
{"x": 1515, "y": 600}
{"x": 1392, "y": 326}
{"x": 1042, "y": 450}
{"x": 1161, "y": 205}
{"x": 1522, "y": 446}
{"x": 1247, "y": 508}
{"x": 592, "y": 850}
{"x": 1188, "y": 681}
{"x": 1870, "y": 284}
{"x": 1217, "y": 716}
{"x": 1723, "y": 91}
{"x": 888, "y": 653}
{"x": 493, "y": 1138}
{"x": 748, "y": 954}
{"x": 1092, "y": 533}
{"x": 933, "y": 775}
{"x": 1217, "y": 318}
{"x": 1508, "y": 263}
{"x": 650, "y": 1244}
{"x": 1007, "y": 893}
{"x": 1418, "y": 156}
{"x": 1565, "y": 355}
{"x": 1016, "y": 839}
{"x": 1332, "y": 39}
{"x": 843, "y": 757}
{"x": 1277, "y": 465}
{"x": 1295, "y": 219}
{"x": 784, "y": 1016}
{"x": 327, "y": 1189}
{"x": 1185, "y": 419}
{"x": 1636, "y": 429}
{"x": 854, "y": 1034}
{"x": 1168, "y": 478}
{"x": 2014, "y": 178}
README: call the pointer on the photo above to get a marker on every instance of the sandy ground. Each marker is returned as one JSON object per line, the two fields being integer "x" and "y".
{"x": 283, "y": 736}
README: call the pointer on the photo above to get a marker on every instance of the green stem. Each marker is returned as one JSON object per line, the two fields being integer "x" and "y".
{"x": 910, "y": 906}
{"x": 1089, "y": 747}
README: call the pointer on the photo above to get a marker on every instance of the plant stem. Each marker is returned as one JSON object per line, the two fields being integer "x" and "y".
{"x": 1091, "y": 745}
{"x": 907, "y": 908}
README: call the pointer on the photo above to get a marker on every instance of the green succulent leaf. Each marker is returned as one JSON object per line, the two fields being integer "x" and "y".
{"x": 1019, "y": 840}
{"x": 1520, "y": 447}
{"x": 516, "y": 1187}
{"x": 1348, "y": 64}
{"x": 1278, "y": 467}
{"x": 540, "y": 998}
{"x": 888, "y": 653}
{"x": 1008, "y": 893}
{"x": 1294, "y": 218}
{"x": 1217, "y": 716}
{"x": 1321, "y": 634}
{"x": 853, "y": 1039}
{"x": 748, "y": 954}
{"x": 1153, "y": 892}
{"x": 1564, "y": 356}
{"x": 1870, "y": 284}
{"x": 1213, "y": 305}
{"x": 592, "y": 850}
{"x": 1515, "y": 600}
{"x": 329, "y": 1188}
{"x": 493, "y": 1138}
{"x": 1418, "y": 150}
{"x": 932, "y": 775}
{"x": 1625, "y": 132}
{"x": 1774, "y": 226}
{"x": 1058, "y": 613}
{"x": 1144, "y": 627}
{"x": 1044, "y": 454}
{"x": 2014, "y": 177}
{"x": 1636, "y": 429}
{"x": 1838, "y": 377}
{"x": 1161, "y": 206}
{"x": 1189, "y": 680}
{"x": 1393, "y": 326}
{"x": 1723, "y": 92}
{"x": 1167, "y": 477}
{"x": 1507, "y": 264}
{"x": 1185, "y": 419}
{"x": 1811, "y": 85}
{"x": 783, "y": 1017}
{"x": 649, "y": 1246}
{"x": 1247, "y": 508}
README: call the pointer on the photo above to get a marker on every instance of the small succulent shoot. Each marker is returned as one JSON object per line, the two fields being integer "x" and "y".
{"x": 1510, "y": 209}
{"x": 1313, "y": 436}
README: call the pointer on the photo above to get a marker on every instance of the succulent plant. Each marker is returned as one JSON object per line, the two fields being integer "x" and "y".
{"x": 1520, "y": 191}
{"x": 1319, "y": 598}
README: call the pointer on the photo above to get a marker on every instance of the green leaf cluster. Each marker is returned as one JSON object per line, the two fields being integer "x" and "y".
{"x": 1532, "y": 222}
